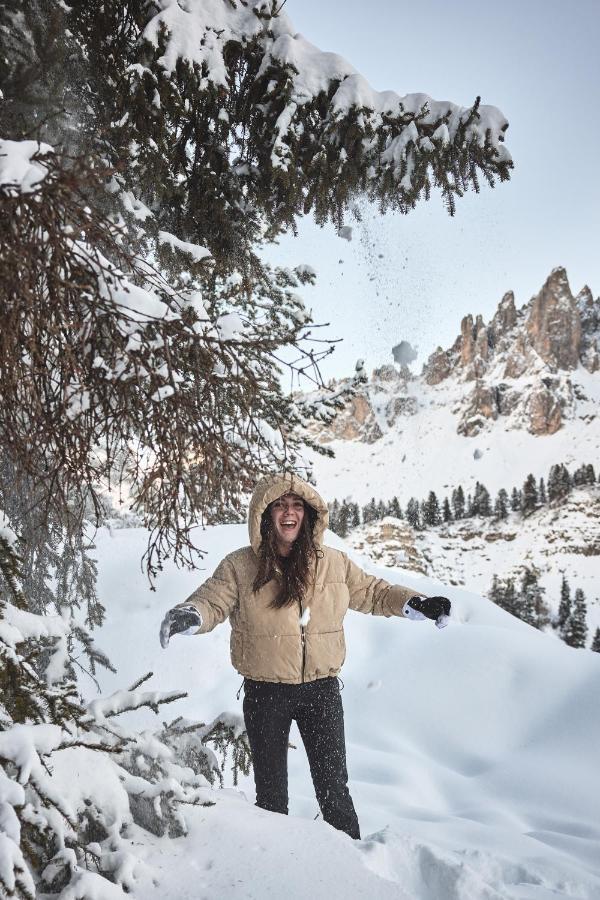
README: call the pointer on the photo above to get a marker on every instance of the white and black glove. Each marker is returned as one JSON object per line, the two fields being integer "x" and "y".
{"x": 436, "y": 608}
{"x": 180, "y": 620}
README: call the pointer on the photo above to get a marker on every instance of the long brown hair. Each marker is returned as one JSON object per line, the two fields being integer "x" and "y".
{"x": 292, "y": 571}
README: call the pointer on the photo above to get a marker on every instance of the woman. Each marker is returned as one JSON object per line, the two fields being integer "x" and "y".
{"x": 286, "y": 596}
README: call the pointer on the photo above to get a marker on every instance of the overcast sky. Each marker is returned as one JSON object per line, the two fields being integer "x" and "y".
{"x": 413, "y": 277}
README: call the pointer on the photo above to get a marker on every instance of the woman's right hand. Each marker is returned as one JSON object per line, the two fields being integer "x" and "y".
{"x": 179, "y": 620}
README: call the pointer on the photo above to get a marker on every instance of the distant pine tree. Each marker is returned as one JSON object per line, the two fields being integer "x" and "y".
{"x": 413, "y": 513}
{"x": 542, "y": 492}
{"x": 515, "y": 500}
{"x": 501, "y": 504}
{"x": 509, "y": 596}
{"x": 575, "y": 631}
{"x": 394, "y": 508}
{"x": 431, "y": 511}
{"x": 564, "y": 607}
{"x": 481, "y": 504}
{"x": 381, "y": 511}
{"x": 343, "y": 522}
{"x": 458, "y": 502}
{"x": 559, "y": 483}
{"x": 529, "y": 496}
{"x": 527, "y": 598}
{"x": 355, "y": 516}
{"x": 591, "y": 475}
{"x": 370, "y": 512}
{"x": 446, "y": 511}
{"x": 334, "y": 514}
{"x": 503, "y": 594}
{"x": 496, "y": 591}
{"x": 596, "y": 641}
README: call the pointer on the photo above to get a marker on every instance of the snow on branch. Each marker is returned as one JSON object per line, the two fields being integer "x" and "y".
{"x": 21, "y": 169}
{"x": 324, "y": 118}
{"x": 125, "y": 701}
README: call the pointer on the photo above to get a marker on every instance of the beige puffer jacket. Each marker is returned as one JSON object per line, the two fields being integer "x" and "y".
{"x": 271, "y": 644}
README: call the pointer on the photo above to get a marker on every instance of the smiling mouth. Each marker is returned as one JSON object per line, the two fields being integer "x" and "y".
{"x": 289, "y": 525}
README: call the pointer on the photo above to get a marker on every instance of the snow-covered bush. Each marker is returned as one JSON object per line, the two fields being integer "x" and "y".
{"x": 73, "y": 778}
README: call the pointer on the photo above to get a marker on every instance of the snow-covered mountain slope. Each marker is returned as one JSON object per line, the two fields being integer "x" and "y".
{"x": 472, "y": 753}
{"x": 509, "y": 398}
{"x": 553, "y": 540}
{"x": 423, "y": 451}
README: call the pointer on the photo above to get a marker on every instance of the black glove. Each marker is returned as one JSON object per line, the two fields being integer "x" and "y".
{"x": 181, "y": 619}
{"x": 430, "y": 607}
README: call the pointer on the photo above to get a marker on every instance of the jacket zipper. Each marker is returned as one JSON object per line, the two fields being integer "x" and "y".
{"x": 302, "y": 629}
{"x": 303, "y": 653}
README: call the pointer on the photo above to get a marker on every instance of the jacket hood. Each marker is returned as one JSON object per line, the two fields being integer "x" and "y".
{"x": 270, "y": 488}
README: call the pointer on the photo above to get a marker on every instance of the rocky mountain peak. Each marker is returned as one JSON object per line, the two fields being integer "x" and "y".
{"x": 554, "y": 323}
{"x": 505, "y": 317}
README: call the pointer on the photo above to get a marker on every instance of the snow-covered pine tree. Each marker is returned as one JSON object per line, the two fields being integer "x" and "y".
{"x": 394, "y": 508}
{"x": 509, "y": 597}
{"x": 430, "y": 510}
{"x": 542, "y": 492}
{"x": 531, "y": 607}
{"x": 576, "y": 629}
{"x": 481, "y": 505}
{"x": 596, "y": 641}
{"x": 369, "y": 513}
{"x": 591, "y": 475}
{"x": 343, "y": 521}
{"x": 496, "y": 591}
{"x": 334, "y": 512}
{"x": 559, "y": 483}
{"x": 529, "y": 495}
{"x": 355, "y": 515}
{"x": 501, "y": 504}
{"x": 380, "y": 510}
{"x": 503, "y": 594}
{"x": 413, "y": 513}
{"x": 515, "y": 500}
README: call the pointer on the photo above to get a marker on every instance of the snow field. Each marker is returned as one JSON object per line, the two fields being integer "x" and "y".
{"x": 472, "y": 752}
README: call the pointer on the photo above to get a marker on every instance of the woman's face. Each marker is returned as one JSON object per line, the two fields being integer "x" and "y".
{"x": 287, "y": 513}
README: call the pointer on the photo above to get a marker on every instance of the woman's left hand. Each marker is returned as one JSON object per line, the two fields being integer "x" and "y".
{"x": 436, "y": 608}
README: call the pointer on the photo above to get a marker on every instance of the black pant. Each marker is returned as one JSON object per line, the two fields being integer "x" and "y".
{"x": 317, "y": 708}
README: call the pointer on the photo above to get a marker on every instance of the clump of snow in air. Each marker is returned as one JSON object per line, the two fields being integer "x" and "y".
{"x": 345, "y": 232}
{"x": 404, "y": 353}
{"x": 460, "y": 751}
